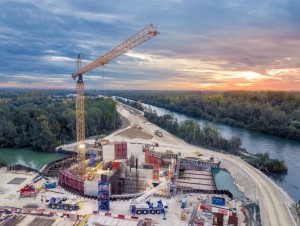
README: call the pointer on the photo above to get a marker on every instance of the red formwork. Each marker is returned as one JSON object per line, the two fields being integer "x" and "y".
{"x": 147, "y": 160}
{"x": 155, "y": 172}
{"x": 153, "y": 158}
{"x": 71, "y": 181}
{"x": 120, "y": 150}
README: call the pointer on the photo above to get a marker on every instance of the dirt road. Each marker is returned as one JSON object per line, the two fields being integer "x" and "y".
{"x": 273, "y": 200}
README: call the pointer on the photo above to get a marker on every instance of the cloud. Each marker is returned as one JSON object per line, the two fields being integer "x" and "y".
{"x": 234, "y": 44}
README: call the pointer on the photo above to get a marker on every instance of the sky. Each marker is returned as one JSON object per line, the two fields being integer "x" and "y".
{"x": 203, "y": 44}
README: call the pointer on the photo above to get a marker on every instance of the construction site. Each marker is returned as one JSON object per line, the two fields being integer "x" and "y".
{"x": 138, "y": 175}
{"x": 132, "y": 177}
{"x": 148, "y": 181}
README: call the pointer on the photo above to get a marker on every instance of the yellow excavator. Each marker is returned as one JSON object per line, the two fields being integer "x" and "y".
{"x": 91, "y": 173}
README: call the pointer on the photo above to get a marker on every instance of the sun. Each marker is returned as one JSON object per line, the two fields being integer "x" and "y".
{"x": 250, "y": 75}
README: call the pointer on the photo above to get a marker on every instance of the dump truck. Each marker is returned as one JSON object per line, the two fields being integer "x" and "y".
{"x": 158, "y": 133}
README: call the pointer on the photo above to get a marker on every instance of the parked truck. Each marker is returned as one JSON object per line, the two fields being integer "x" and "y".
{"x": 49, "y": 185}
{"x": 183, "y": 203}
{"x": 143, "y": 205}
{"x": 61, "y": 202}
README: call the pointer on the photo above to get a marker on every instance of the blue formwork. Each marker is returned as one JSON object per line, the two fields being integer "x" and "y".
{"x": 92, "y": 159}
{"x": 220, "y": 201}
{"x": 103, "y": 195}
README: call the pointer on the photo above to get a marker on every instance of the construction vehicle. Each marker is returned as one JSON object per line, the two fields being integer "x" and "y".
{"x": 49, "y": 185}
{"x": 158, "y": 133}
{"x": 97, "y": 144}
{"x": 61, "y": 202}
{"x": 90, "y": 174}
{"x": 143, "y": 205}
{"x": 155, "y": 144}
{"x": 28, "y": 190}
{"x": 183, "y": 203}
{"x": 145, "y": 34}
{"x": 100, "y": 143}
{"x": 198, "y": 153}
{"x": 183, "y": 216}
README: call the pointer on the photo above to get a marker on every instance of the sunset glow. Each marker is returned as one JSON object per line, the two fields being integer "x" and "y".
{"x": 241, "y": 45}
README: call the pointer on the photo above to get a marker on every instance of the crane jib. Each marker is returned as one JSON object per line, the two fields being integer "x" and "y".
{"x": 145, "y": 34}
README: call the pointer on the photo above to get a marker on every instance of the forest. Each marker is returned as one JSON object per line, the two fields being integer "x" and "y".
{"x": 42, "y": 120}
{"x": 209, "y": 137}
{"x": 275, "y": 113}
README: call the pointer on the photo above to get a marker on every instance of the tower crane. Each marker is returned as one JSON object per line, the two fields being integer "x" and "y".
{"x": 145, "y": 34}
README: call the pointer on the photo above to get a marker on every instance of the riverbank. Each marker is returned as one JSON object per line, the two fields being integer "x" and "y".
{"x": 277, "y": 148}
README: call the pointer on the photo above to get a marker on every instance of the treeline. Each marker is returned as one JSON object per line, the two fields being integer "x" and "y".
{"x": 275, "y": 113}
{"x": 43, "y": 120}
{"x": 207, "y": 136}
{"x": 263, "y": 162}
{"x": 193, "y": 133}
{"x": 135, "y": 104}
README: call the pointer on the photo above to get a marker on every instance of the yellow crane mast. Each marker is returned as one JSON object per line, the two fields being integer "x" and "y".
{"x": 145, "y": 34}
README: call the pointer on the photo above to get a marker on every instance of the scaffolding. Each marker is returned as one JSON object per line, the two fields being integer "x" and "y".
{"x": 135, "y": 185}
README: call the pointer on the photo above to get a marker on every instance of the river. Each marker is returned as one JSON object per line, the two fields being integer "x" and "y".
{"x": 27, "y": 157}
{"x": 254, "y": 142}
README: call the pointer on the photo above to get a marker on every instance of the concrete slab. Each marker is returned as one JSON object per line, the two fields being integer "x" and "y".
{"x": 42, "y": 221}
{"x": 17, "y": 180}
{"x": 110, "y": 221}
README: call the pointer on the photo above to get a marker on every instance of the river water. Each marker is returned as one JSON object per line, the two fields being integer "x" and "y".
{"x": 28, "y": 157}
{"x": 255, "y": 142}
{"x": 224, "y": 181}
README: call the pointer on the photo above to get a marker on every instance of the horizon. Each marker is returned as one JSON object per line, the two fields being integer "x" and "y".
{"x": 203, "y": 46}
{"x": 144, "y": 90}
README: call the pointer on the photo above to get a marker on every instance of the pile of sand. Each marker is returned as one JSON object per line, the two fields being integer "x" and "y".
{"x": 135, "y": 132}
